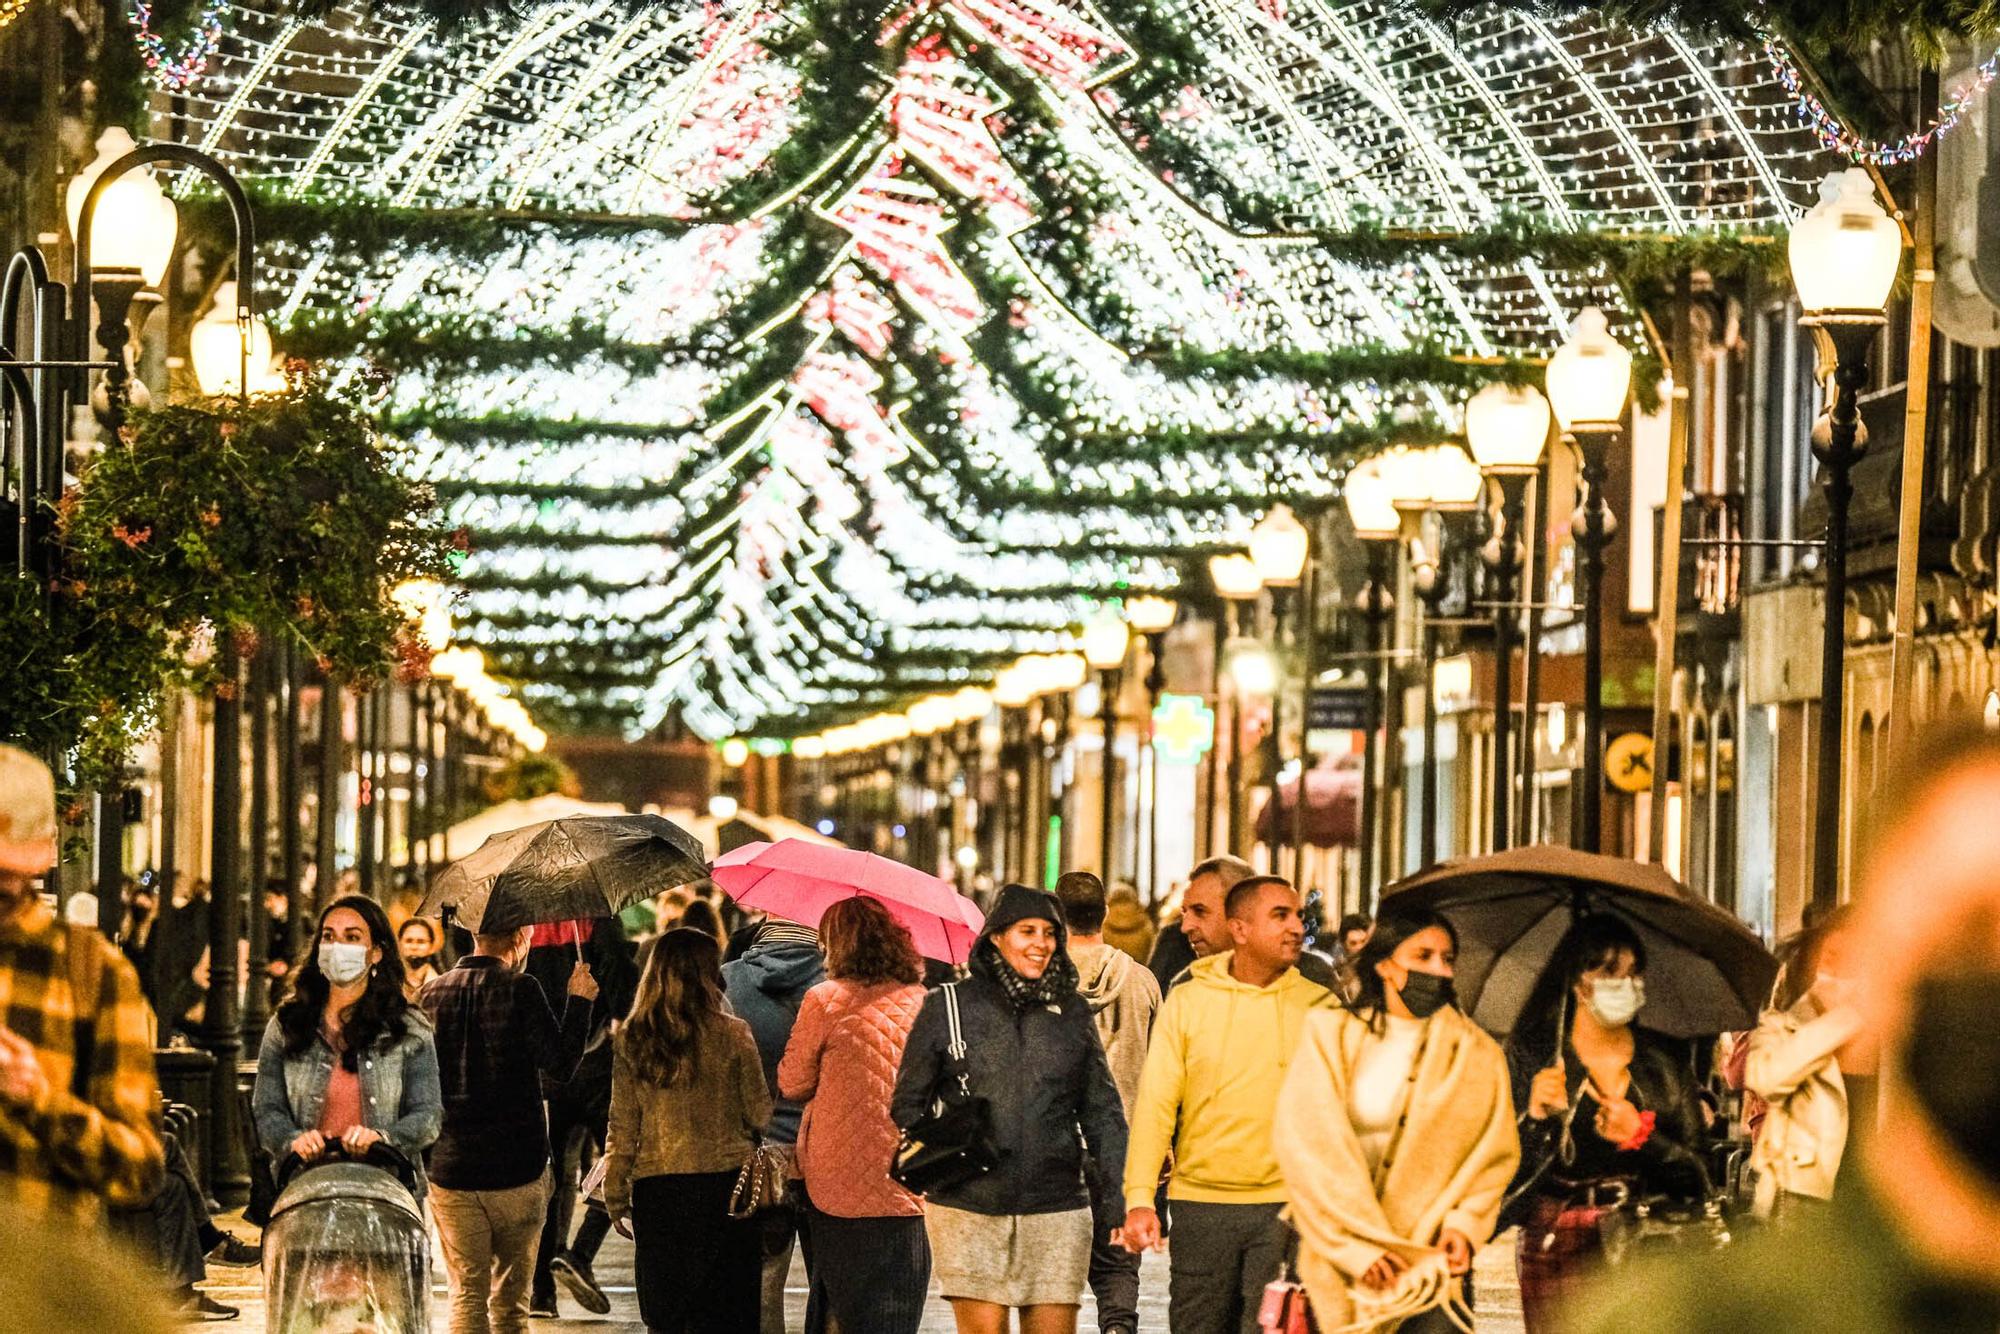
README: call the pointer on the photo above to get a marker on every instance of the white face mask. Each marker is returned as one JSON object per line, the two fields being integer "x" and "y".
{"x": 1615, "y": 1000}
{"x": 344, "y": 964}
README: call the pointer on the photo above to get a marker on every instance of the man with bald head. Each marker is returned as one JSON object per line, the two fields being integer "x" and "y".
{"x": 1909, "y": 1247}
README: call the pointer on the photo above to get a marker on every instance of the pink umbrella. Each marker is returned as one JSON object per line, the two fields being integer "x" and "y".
{"x": 799, "y": 881}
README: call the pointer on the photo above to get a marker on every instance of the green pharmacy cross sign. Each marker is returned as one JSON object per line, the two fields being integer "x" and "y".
{"x": 1183, "y": 729}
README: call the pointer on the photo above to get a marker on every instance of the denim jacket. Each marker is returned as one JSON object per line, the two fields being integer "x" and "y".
{"x": 399, "y": 1091}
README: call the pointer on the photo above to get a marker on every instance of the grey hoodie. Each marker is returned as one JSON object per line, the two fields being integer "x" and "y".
{"x": 1123, "y": 995}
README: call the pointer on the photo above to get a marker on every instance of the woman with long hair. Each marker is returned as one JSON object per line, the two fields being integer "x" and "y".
{"x": 347, "y": 1059}
{"x": 870, "y": 1261}
{"x": 1608, "y": 1112}
{"x": 688, "y": 1101}
{"x": 1816, "y": 1076}
{"x": 1395, "y": 1130}
{"x": 1019, "y": 1237}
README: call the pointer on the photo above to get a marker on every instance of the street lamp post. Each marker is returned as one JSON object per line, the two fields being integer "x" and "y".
{"x": 1844, "y": 254}
{"x": 1589, "y": 379}
{"x": 1152, "y": 617}
{"x": 1441, "y": 480}
{"x": 1236, "y": 582}
{"x": 1106, "y": 641}
{"x": 1280, "y": 548}
{"x": 1370, "y": 496}
{"x": 1507, "y": 426}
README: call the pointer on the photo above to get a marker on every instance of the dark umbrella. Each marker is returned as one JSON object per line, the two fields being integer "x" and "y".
{"x": 570, "y": 869}
{"x": 1706, "y": 972}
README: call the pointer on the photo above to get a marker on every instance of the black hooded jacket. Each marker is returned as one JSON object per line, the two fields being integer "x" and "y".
{"x": 1042, "y": 1073}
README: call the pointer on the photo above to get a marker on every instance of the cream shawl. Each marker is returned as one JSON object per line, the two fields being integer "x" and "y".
{"x": 1448, "y": 1168}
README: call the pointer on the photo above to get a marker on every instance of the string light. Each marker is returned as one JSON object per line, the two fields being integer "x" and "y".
{"x": 178, "y": 73}
{"x": 1837, "y": 138}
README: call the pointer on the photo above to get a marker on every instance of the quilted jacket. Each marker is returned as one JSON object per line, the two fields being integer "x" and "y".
{"x": 841, "y": 1063}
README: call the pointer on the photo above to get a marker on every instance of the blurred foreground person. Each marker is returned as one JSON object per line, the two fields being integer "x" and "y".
{"x": 1018, "y": 1238}
{"x": 1396, "y": 1134}
{"x": 76, "y": 1048}
{"x": 55, "y": 1279}
{"x": 1906, "y": 1243}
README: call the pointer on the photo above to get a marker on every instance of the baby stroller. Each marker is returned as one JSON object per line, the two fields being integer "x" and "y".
{"x": 346, "y": 1250}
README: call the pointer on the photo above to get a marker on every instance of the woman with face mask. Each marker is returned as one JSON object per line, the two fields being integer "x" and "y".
{"x": 1815, "y": 1073}
{"x": 347, "y": 1059}
{"x": 418, "y": 942}
{"x": 1608, "y": 1112}
{"x": 1396, "y": 1134}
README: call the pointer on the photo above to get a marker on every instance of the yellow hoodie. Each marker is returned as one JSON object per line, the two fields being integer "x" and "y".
{"x": 1217, "y": 1060}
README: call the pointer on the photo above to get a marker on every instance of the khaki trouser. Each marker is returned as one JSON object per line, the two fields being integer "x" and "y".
{"x": 489, "y": 1253}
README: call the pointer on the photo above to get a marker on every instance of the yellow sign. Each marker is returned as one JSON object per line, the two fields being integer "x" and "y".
{"x": 1628, "y": 762}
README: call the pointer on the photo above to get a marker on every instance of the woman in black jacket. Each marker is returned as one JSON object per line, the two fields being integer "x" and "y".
{"x": 1608, "y": 1113}
{"x": 1019, "y": 1237}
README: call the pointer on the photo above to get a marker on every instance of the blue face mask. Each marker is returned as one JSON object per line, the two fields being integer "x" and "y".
{"x": 344, "y": 964}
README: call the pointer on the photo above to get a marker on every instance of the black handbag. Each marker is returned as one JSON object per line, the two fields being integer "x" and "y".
{"x": 953, "y": 1143}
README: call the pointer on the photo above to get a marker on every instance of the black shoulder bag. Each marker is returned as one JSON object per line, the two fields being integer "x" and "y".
{"x": 953, "y": 1143}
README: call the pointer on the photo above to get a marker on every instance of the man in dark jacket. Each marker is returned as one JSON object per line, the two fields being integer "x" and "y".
{"x": 496, "y": 1037}
{"x": 766, "y": 987}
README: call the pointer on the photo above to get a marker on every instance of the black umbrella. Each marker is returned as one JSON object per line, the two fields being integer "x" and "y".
{"x": 565, "y": 870}
{"x": 1706, "y": 972}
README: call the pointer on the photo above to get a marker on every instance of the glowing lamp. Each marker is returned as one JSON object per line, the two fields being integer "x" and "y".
{"x": 215, "y": 345}
{"x": 1150, "y": 615}
{"x": 1371, "y": 502}
{"x": 1105, "y": 642}
{"x": 1278, "y": 547}
{"x": 134, "y": 224}
{"x": 1507, "y": 425}
{"x": 1845, "y": 250}
{"x": 1590, "y": 376}
{"x": 1235, "y": 577}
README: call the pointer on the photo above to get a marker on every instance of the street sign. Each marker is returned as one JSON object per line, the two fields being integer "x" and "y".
{"x": 1338, "y": 708}
{"x": 1628, "y": 762}
{"x": 1183, "y": 729}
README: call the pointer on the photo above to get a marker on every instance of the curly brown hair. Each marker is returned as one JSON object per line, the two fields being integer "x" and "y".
{"x": 864, "y": 944}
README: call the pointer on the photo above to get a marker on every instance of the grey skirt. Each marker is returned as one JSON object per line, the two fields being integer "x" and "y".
{"x": 1010, "y": 1259}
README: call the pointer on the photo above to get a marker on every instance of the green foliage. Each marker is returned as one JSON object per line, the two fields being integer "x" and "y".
{"x": 80, "y": 675}
{"x": 283, "y": 513}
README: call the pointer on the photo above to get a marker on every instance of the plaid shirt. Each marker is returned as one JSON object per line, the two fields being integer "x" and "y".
{"x": 69, "y": 1155}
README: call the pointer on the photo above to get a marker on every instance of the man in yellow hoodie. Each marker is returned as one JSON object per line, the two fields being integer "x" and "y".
{"x": 1220, "y": 1049}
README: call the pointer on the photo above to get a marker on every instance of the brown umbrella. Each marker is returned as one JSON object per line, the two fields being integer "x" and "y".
{"x": 1706, "y": 972}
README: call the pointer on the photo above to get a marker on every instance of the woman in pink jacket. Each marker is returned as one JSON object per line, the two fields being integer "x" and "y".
{"x": 871, "y": 1263}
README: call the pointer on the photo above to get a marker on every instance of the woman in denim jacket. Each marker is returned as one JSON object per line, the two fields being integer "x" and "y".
{"x": 347, "y": 1058}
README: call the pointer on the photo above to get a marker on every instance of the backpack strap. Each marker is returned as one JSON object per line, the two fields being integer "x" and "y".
{"x": 85, "y": 959}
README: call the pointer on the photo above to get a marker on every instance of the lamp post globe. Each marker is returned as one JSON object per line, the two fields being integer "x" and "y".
{"x": 1507, "y": 425}
{"x": 1105, "y": 641}
{"x": 1150, "y": 615}
{"x": 1456, "y": 483}
{"x": 1278, "y": 547}
{"x": 1370, "y": 499}
{"x": 1590, "y": 375}
{"x": 1235, "y": 577}
{"x": 134, "y": 224}
{"x": 1845, "y": 250}
{"x": 215, "y": 347}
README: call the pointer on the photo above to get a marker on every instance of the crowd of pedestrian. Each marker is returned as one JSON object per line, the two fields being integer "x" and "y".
{"x": 1295, "y": 1128}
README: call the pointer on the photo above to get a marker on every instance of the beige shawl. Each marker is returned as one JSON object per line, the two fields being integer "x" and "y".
{"x": 1447, "y": 1168}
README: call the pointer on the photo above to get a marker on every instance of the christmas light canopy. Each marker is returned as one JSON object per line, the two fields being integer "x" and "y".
{"x": 1590, "y": 376}
{"x": 1845, "y": 250}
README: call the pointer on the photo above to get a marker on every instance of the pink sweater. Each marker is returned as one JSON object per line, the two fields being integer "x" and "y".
{"x": 841, "y": 1063}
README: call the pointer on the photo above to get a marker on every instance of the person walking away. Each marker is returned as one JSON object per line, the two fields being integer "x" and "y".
{"x": 1019, "y": 1237}
{"x": 579, "y": 1108}
{"x": 76, "y": 1050}
{"x": 1219, "y": 1056}
{"x": 1906, "y": 1242}
{"x": 1123, "y": 999}
{"x": 1127, "y": 926}
{"x": 496, "y": 1036}
{"x": 765, "y": 988}
{"x": 1816, "y": 1074}
{"x": 1608, "y": 1113}
{"x": 868, "y": 1260}
{"x": 688, "y": 1100}
{"x": 1395, "y": 1133}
